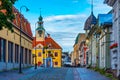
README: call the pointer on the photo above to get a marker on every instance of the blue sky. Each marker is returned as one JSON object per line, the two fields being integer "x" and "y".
{"x": 63, "y": 19}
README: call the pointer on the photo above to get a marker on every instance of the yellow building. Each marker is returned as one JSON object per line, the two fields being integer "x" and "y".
{"x": 45, "y": 50}
{"x": 10, "y": 44}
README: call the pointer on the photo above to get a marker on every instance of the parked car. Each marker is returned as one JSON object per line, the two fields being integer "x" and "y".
{"x": 67, "y": 64}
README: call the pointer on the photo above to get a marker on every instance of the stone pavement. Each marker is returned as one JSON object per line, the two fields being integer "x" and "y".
{"x": 14, "y": 75}
{"x": 52, "y": 74}
{"x": 87, "y": 74}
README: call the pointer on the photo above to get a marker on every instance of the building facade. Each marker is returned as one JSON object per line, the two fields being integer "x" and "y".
{"x": 115, "y": 4}
{"x": 76, "y": 53}
{"x": 72, "y": 58}
{"x": 105, "y": 39}
{"x": 83, "y": 53}
{"x": 90, "y": 28}
{"x": 10, "y": 44}
{"x": 45, "y": 50}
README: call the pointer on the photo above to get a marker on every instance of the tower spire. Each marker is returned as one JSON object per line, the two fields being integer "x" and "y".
{"x": 40, "y": 11}
{"x": 92, "y": 6}
{"x": 40, "y": 18}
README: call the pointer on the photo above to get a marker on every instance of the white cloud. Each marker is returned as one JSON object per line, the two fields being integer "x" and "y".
{"x": 64, "y": 28}
{"x": 65, "y": 23}
{"x": 63, "y": 17}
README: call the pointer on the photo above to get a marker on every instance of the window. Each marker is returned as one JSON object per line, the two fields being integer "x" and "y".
{"x": 56, "y": 54}
{"x": 30, "y": 56}
{"x": 49, "y": 45}
{"x": 39, "y": 46}
{"x": 56, "y": 63}
{"x": 2, "y": 50}
{"x": 22, "y": 55}
{"x": 39, "y": 54}
{"x": 26, "y": 57}
{"x": 16, "y": 53}
{"x": 10, "y": 52}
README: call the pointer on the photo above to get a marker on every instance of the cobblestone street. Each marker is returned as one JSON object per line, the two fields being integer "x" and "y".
{"x": 53, "y": 74}
{"x": 50, "y": 74}
{"x": 64, "y": 74}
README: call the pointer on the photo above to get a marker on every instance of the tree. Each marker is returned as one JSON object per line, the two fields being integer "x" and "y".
{"x": 6, "y": 14}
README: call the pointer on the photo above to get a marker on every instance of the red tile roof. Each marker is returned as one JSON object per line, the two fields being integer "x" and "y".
{"x": 49, "y": 42}
{"x": 37, "y": 42}
{"x": 26, "y": 28}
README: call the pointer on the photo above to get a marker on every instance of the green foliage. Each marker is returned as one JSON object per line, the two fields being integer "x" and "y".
{"x": 102, "y": 71}
{"x": 96, "y": 69}
{"x": 6, "y": 18}
{"x": 109, "y": 75}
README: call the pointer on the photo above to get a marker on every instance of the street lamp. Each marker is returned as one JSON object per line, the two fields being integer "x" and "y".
{"x": 35, "y": 49}
{"x": 20, "y": 69}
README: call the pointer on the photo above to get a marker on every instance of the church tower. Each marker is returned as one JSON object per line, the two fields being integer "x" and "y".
{"x": 40, "y": 31}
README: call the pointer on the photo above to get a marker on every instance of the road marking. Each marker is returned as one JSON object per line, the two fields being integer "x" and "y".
{"x": 76, "y": 74}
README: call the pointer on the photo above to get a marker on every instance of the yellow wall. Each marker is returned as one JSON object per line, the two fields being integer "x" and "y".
{"x": 38, "y": 58}
{"x": 45, "y": 55}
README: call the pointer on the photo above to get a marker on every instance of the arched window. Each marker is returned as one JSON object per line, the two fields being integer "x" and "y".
{"x": 39, "y": 54}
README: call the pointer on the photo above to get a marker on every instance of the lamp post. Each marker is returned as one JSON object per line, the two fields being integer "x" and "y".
{"x": 20, "y": 69}
{"x": 35, "y": 49}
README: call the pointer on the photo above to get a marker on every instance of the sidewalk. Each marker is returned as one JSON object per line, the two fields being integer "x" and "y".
{"x": 14, "y": 74}
{"x": 87, "y": 74}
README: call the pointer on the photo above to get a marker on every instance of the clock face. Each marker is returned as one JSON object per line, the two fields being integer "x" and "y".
{"x": 40, "y": 31}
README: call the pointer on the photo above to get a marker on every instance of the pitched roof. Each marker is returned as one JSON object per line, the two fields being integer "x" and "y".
{"x": 26, "y": 28}
{"x": 49, "y": 42}
{"x": 80, "y": 36}
{"x": 35, "y": 43}
{"x": 77, "y": 38}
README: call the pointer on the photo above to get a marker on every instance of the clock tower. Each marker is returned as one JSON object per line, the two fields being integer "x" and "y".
{"x": 40, "y": 31}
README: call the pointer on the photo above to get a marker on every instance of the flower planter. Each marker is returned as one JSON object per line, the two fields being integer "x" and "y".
{"x": 115, "y": 45}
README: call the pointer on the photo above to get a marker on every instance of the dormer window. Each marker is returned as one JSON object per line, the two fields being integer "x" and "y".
{"x": 49, "y": 45}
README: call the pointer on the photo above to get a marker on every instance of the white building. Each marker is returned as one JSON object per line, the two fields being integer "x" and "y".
{"x": 116, "y": 30}
{"x": 105, "y": 24}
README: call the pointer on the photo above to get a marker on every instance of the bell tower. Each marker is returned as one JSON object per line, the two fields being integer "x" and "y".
{"x": 40, "y": 31}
